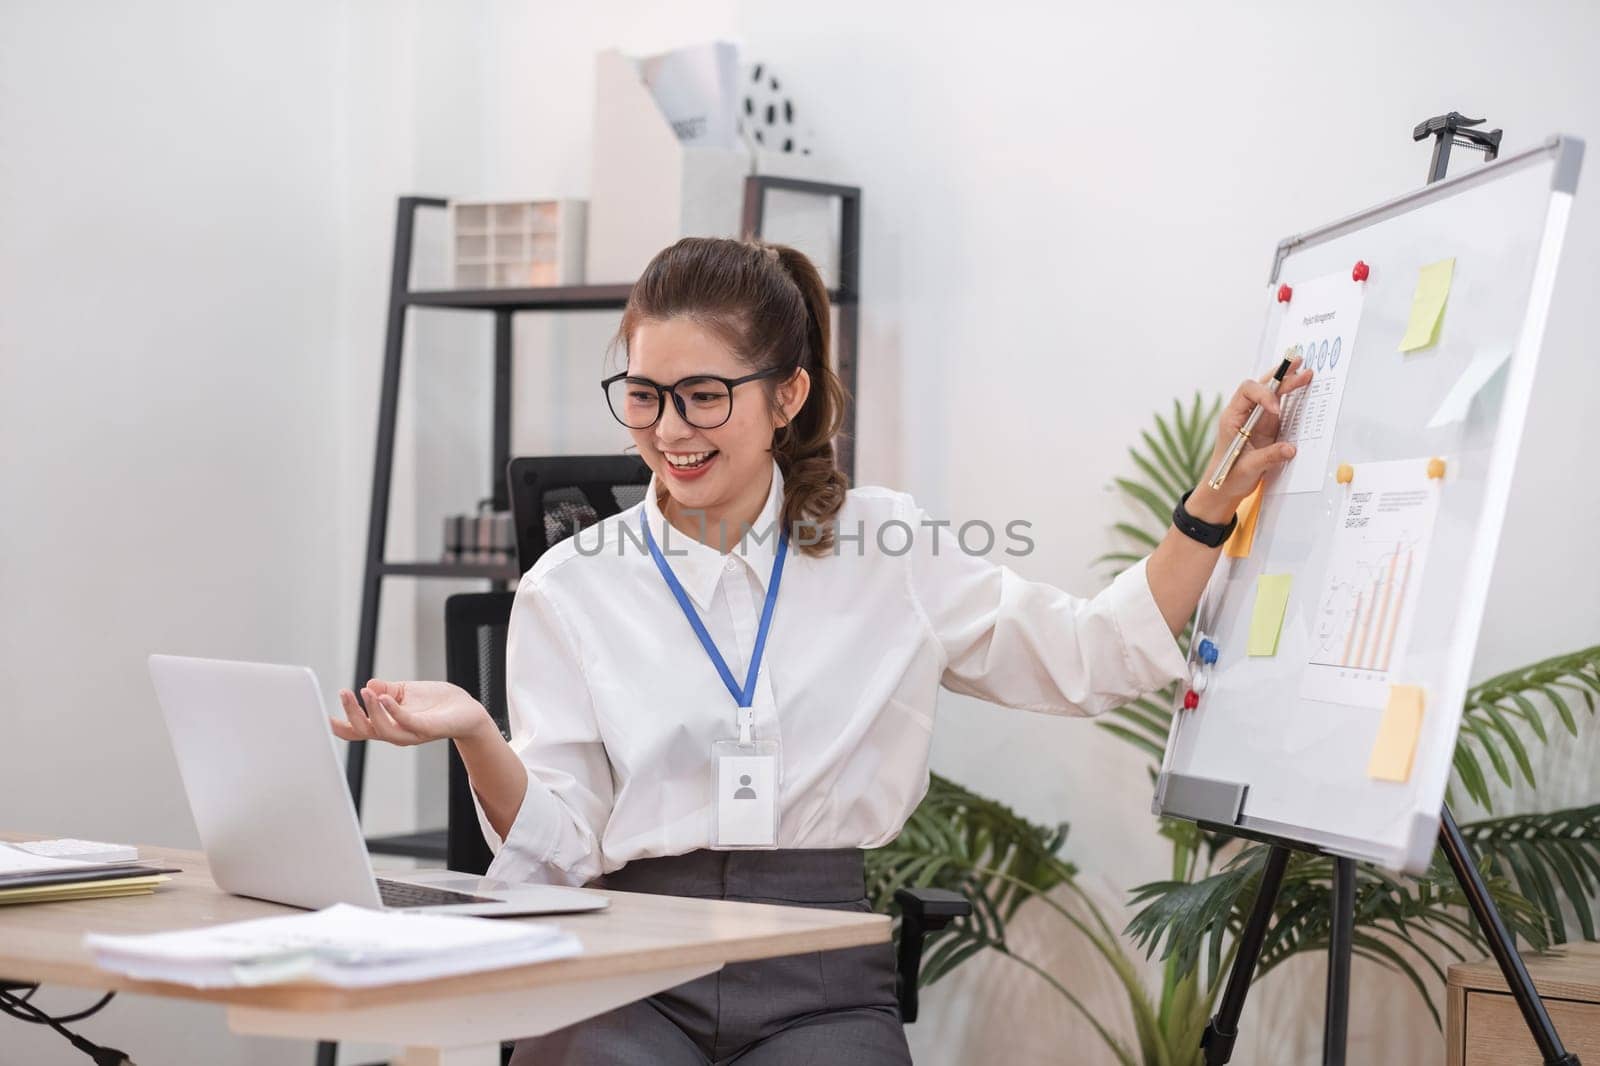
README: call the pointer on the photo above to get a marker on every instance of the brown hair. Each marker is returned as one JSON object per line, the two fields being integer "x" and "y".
{"x": 768, "y": 303}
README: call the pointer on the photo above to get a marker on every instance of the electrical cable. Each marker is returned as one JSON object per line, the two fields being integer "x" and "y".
{"x": 21, "y": 1009}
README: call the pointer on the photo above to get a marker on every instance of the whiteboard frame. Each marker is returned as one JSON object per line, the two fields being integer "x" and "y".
{"x": 1222, "y": 805}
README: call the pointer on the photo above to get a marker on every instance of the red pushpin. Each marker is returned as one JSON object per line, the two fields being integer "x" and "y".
{"x": 1284, "y": 292}
{"x": 1360, "y": 271}
{"x": 1191, "y": 700}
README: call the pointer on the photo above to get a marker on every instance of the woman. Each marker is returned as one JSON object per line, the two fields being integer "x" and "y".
{"x": 647, "y": 723}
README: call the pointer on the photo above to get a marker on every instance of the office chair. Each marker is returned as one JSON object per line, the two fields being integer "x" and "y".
{"x": 553, "y": 496}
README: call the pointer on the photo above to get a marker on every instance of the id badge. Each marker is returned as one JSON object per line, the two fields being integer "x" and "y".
{"x": 744, "y": 804}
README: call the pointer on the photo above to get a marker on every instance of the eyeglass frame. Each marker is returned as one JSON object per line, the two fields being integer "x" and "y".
{"x": 677, "y": 401}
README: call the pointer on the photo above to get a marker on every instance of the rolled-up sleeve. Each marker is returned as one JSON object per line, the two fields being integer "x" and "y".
{"x": 1029, "y": 645}
{"x": 555, "y": 836}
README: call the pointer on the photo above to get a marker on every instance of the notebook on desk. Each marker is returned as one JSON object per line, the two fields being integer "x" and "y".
{"x": 274, "y": 813}
{"x": 28, "y": 878}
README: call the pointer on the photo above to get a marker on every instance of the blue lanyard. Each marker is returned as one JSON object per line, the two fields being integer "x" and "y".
{"x": 743, "y": 697}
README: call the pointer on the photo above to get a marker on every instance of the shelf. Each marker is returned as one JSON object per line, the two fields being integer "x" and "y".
{"x": 428, "y": 844}
{"x": 495, "y": 571}
{"x": 544, "y": 298}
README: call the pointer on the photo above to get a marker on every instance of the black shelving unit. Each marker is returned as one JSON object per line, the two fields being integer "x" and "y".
{"x": 503, "y": 304}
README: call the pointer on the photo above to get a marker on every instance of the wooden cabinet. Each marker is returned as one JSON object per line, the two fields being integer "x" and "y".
{"x": 1483, "y": 1026}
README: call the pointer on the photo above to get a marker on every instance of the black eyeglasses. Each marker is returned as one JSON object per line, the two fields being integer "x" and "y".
{"x": 704, "y": 401}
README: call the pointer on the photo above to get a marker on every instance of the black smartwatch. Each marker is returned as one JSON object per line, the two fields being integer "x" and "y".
{"x": 1208, "y": 533}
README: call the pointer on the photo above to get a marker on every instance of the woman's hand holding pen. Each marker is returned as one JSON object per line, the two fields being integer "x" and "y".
{"x": 1179, "y": 567}
{"x": 1261, "y": 453}
{"x": 410, "y": 712}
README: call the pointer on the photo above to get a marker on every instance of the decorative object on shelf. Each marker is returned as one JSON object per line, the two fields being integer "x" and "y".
{"x": 485, "y": 537}
{"x": 518, "y": 243}
{"x": 675, "y": 136}
{"x": 767, "y": 117}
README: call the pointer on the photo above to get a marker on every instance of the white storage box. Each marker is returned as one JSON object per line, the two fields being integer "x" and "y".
{"x": 647, "y": 187}
{"x": 517, "y": 244}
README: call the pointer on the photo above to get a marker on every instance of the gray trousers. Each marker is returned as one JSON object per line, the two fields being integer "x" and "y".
{"x": 828, "y": 1008}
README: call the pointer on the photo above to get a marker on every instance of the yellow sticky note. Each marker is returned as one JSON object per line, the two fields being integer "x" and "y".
{"x": 1427, "y": 305}
{"x": 1396, "y": 745}
{"x": 1266, "y": 621}
{"x": 1244, "y": 534}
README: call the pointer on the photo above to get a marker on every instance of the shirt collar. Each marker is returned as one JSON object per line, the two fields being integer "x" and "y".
{"x": 699, "y": 567}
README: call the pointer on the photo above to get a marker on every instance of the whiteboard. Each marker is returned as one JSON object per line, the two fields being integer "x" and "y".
{"x": 1258, "y": 755}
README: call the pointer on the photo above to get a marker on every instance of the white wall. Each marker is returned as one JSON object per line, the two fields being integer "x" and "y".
{"x": 196, "y": 204}
{"x": 170, "y": 227}
{"x": 1049, "y": 190}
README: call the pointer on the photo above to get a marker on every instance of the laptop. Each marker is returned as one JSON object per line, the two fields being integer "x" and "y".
{"x": 274, "y": 813}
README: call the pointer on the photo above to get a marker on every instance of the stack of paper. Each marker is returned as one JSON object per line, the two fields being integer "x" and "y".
{"x": 350, "y": 947}
{"x": 26, "y": 878}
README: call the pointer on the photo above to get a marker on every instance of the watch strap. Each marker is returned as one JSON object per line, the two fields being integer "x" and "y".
{"x": 1208, "y": 533}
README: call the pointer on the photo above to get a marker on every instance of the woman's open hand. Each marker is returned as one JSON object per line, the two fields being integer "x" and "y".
{"x": 1262, "y": 453}
{"x": 409, "y": 712}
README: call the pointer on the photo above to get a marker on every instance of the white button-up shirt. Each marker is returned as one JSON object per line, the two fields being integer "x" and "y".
{"x": 614, "y": 704}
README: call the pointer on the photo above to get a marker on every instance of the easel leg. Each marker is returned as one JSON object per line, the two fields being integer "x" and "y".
{"x": 1500, "y": 944}
{"x": 1223, "y": 1030}
{"x": 1341, "y": 934}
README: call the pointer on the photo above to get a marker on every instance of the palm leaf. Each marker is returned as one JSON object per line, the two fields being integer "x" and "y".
{"x": 1170, "y": 463}
{"x": 1183, "y": 917}
{"x": 959, "y": 840}
{"x": 1529, "y": 694}
{"x": 1399, "y": 922}
{"x": 1553, "y": 859}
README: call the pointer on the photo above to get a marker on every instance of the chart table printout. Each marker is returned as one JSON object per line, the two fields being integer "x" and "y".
{"x": 1368, "y": 600}
{"x": 1319, "y": 325}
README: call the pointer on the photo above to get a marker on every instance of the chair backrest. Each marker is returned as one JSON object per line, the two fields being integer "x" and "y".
{"x": 475, "y": 625}
{"x": 552, "y": 496}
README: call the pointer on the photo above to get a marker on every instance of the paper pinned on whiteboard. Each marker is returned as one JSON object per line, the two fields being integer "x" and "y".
{"x": 1427, "y": 305}
{"x": 1319, "y": 325}
{"x": 1243, "y": 537}
{"x": 1368, "y": 602}
{"x": 1266, "y": 617}
{"x": 1395, "y": 750}
{"x": 1479, "y": 372}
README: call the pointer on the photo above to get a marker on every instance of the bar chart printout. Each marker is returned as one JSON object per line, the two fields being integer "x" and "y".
{"x": 1367, "y": 603}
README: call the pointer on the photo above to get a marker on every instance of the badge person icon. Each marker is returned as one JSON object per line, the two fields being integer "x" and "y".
{"x": 745, "y": 793}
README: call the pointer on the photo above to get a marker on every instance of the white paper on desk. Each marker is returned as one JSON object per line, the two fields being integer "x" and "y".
{"x": 15, "y": 861}
{"x": 1479, "y": 372}
{"x": 697, "y": 90}
{"x": 342, "y": 945}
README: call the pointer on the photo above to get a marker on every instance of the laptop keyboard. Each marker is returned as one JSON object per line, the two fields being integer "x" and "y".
{"x": 405, "y": 894}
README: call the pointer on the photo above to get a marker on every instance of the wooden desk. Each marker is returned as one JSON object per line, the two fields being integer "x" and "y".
{"x": 640, "y": 945}
{"x": 1483, "y": 1026}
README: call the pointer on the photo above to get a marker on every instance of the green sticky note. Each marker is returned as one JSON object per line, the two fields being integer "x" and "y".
{"x": 1427, "y": 305}
{"x": 1266, "y": 621}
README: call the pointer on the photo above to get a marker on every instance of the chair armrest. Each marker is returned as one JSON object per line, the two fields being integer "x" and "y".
{"x": 922, "y": 911}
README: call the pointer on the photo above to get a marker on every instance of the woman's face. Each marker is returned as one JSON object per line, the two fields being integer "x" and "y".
{"x": 711, "y": 470}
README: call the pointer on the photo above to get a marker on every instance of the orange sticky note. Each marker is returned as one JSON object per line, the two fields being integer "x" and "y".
{"x": 1244, "y": 534}
{"x": 1396, "y": 745}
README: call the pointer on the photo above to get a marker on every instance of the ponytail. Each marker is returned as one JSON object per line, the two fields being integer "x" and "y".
{"x": 814, "y": 486}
